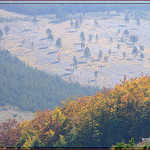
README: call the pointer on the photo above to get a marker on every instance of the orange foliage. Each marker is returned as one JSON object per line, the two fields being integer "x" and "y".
{"x": 88, "y": 115}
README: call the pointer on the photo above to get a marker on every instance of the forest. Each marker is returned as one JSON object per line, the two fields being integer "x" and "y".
{"x": 99, "y": 120}
{"x": 64, "y": 9}
{"x": 31, "y": 89}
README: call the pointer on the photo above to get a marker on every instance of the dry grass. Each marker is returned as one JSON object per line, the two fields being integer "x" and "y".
{"x": 8, "y": 112}
{"x": 111, "y": 71}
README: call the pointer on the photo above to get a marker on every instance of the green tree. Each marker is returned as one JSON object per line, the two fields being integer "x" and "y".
{"x": 122, "y": 40}
{"x": 58, "y": 43}
{"x": 95, "y": 23}
{"x": 142, "y": 48}
{"x": 82, "y": 36}
{"x": 1, "y": 34}
{"x": 96, "y": 73}
{"x": 71, "y": 23}
{"x": 126, "y": 18}
{"x": 122, "y": 145}
{"x": 109, "y": 52}
{"x": 34, "y": 20}
{"x": 90, "y": 37}
{"x": 142, "y": 55}
{"x": 50, "y": 38}
{"x": 138, "y": 21}
{"x": 6, "y": 30}
{"x": 124, "y": 55}
{"x": 32, "y": 45}
{"x": 100, "y": 54}
{"x": 110, "y": 40}
{"x": 87, "y": 53}
{"x": 81, "y": 19}
{"x": 135, "y": 51}
{"x": 126, "y": 34}
{"x": 77, "y": 24}
{"x": 60, "y": 13}
{"x": 48, "y": 31}
{"x": 96, "y": 37}
{"x": 134, "y": 39}
{"x": 105, "y": 59}
{"x": 75, "y": 62}
{"x": 118, "y": 46}
{"x": 82, "y": 45}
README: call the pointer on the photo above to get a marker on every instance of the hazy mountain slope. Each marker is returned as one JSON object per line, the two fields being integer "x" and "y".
{"x": 30, "y": 89}
{"x": 62, "y": 9}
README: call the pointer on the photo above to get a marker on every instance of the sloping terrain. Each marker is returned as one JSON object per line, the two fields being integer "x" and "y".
{"x": 31, "y": 89}
{"x": 28, "y": 41}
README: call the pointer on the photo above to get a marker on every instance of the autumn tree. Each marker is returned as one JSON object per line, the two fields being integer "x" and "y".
{"x": 9, "y": 136}
{"x": 102, "y": 119}
{"x": 58, "y": 57}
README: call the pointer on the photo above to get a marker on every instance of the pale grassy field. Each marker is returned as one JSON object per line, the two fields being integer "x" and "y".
{"x": 8, "y": 112}
{"x": 108, "y": 74}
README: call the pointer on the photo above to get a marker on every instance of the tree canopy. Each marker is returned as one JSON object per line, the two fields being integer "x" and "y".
{"x": 99, "y": 120}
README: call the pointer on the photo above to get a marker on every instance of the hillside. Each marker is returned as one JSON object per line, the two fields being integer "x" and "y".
{"x": 63, "y": 9}
{"x": 27, "y": 39}
{"x": 31, "y": 89}
{"x": 99, "y": 120}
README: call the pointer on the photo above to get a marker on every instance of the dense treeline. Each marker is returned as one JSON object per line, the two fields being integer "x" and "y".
{"x": 31, "y": 89}
{"x": 99, "y": 120}
{"x": 61, "y": 9}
